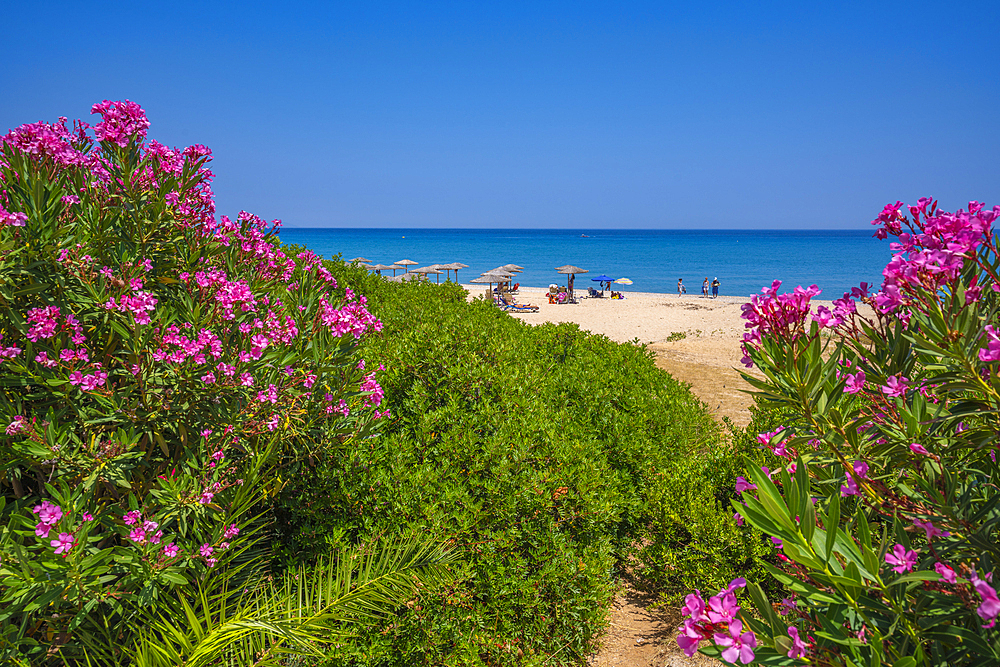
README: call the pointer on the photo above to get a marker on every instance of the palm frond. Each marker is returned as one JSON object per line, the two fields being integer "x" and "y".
{"x": 310, "y": 607}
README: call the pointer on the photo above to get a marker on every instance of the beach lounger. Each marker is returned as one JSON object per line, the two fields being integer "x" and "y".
{"x": 507, "y": 303}
{"x": 594, "y": 294}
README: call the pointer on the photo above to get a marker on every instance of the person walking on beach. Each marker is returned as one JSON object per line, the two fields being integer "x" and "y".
{"x": 704, "y": 288}
{"x": 680, "y": 287}
{"x": 715, "y": 287}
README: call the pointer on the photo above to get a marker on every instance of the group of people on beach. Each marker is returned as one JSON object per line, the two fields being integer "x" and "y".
{"x": 704, "y": 287}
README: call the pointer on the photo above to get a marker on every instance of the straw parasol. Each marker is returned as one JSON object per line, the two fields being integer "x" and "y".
{"x": 406, "y": 276}
{"x": 513, "y": 268}
{"x": 486, "y": 278}
{"x": 455, "y": 266}
{"x": 571, "y": 271}
{"x": 379, "y": 268}
{"x": 405, "y": 263}
{"x": 427, "y": 270}
{"x": 360, "y": 260}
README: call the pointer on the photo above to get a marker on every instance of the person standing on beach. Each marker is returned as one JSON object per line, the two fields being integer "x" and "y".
{"x": 715, "y": 287}
{"x": 680, "y": 287}
{"x": 704, "y": 287}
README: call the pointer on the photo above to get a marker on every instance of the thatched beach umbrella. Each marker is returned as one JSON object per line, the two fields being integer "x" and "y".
{"x": 425, "y": 270}
{"x": 513, "y": 268}
{"x": 406, "y": 276}
{"x": 379, "y": 268}
{"x": 499, "y": 276}
{"x": 485, "y": 279}
{"x": 455, "y": 266}
{"x": 571, "y": 271}
{"x": 405, "y": 263}
{"x": 360, "y": 260}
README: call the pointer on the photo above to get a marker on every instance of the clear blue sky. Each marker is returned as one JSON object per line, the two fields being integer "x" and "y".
{"x": 576, "y": 114}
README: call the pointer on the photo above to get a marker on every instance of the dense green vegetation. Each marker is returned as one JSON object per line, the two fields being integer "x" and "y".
{"x": 552, "y": 457}
{"x": 214, "y": 453}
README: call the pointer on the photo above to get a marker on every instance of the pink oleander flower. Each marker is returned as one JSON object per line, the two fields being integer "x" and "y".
{"x": 246, "y": 379}
{"x": 917, "y": 448}
{"x": 798, "y": 649}
{"x": 948, "y": 575}
{"x": 895, "y": 385}
{"x": 70, "y": 199}
{"x": 694, "y": 606}
{"x": 723, "y": 607}
{"x": 860, "y": 472}
{"x": 903, "y": 559}
{"x": 743, "y": 485}
{"x": 12, "y": 219}
{"x": 121, "y": 122}
{"x": 231, "y": 532}
{"x": 855, "y": 383}
{"x": 48, "y": 513}
{"x": 87, "y": 516}
{"x": 690, "y": 637}
{"x": 739, "y": 518}
{"x": 206, "y": 497}
{"x": 63, "y": 544}
{"x": 15, "y": 426}
{"x": 989, "y": 608}
{"x": 171, "y": 550}
{"x": 137, "y": 535}
{"x": 42, "y": 529}
{"x": 992, "y": 350}
{"x": 930, "y": 529}
{"x": 827, "y": 319}
{"x": 131, "y": 518}
{"x": 206, "y": 550}
{"x": 739, "y": 644}
{"x": 211, "y": 561}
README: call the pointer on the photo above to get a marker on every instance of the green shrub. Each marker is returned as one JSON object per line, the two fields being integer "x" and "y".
{"x": 541, "y": 451}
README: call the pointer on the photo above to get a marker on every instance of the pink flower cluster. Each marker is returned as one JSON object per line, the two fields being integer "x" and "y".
{"x": 9, "y": 352}
{"x": 48, "y": 516}
{"x": 351, "y": 318}
{"x": 140, "y": 304}
{"x": 717, "y": 622}
{"x": 50, "y": 141}
{"x": 12, "y": 219}
{"x": 776, "y": 315}
{"x": 142, "y": 531}
{"x": 121, "y": 123}
{"x": 931, "y": 253}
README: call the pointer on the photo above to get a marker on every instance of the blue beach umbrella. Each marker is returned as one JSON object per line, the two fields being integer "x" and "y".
{"x": 602, "y": 279}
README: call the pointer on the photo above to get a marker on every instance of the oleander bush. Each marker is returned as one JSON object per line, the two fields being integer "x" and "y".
{"x": 163, "y": 375}
{"x": 885, "y": 509}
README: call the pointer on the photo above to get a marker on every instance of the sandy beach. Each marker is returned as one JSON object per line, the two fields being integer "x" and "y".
{"x": 696, "y": 339}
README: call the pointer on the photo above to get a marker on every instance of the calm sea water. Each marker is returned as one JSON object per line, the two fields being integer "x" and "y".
{"x": 744, "y": 261}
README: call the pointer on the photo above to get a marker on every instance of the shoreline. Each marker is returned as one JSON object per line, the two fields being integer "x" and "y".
{"x": 727, "y": 298}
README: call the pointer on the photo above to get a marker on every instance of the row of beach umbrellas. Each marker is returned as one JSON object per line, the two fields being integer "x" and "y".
{"x": 499, "y": 275}
{"x": 408, "y": 273}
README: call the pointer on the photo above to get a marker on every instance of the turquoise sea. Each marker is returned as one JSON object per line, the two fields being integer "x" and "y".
{"x": 744, "y": 261}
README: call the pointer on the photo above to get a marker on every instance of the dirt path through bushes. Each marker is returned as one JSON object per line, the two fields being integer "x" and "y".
{"x": 641, "y": 635}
